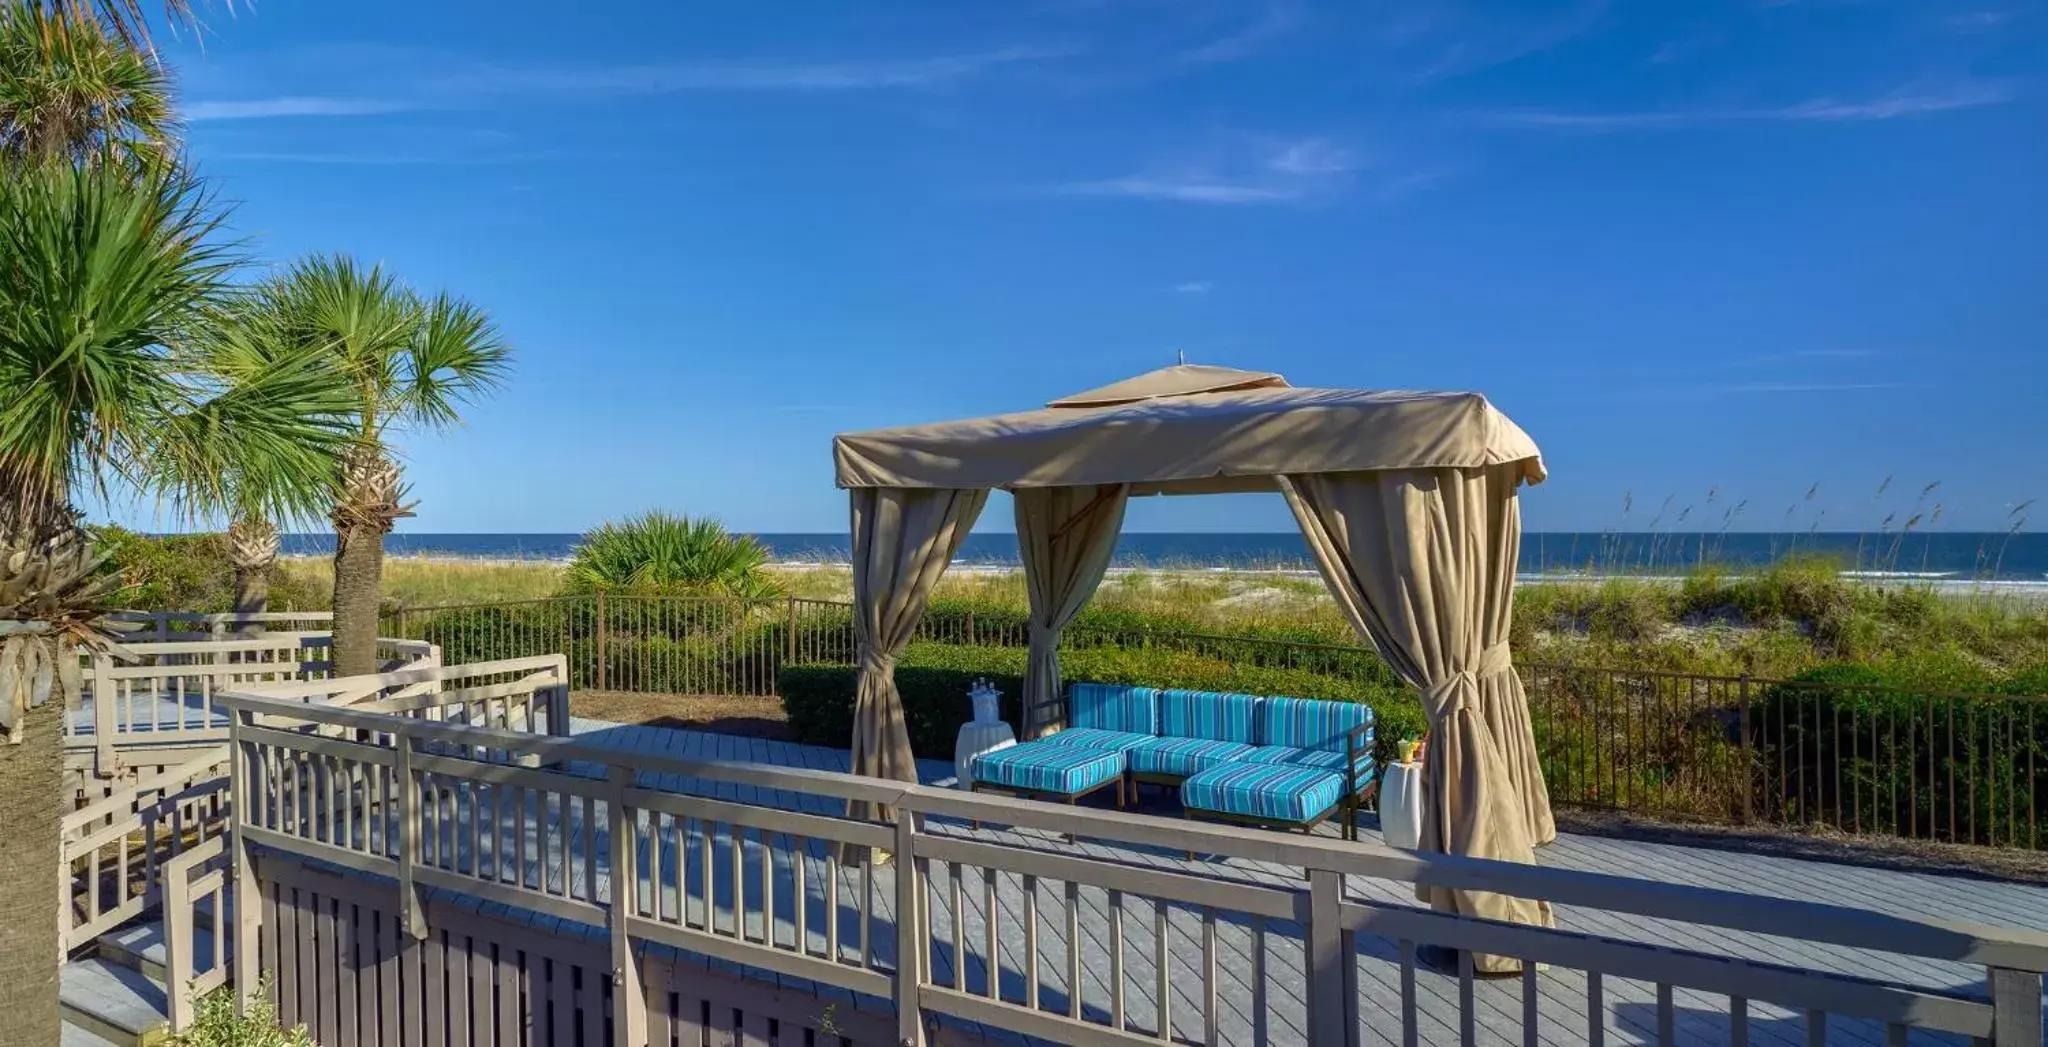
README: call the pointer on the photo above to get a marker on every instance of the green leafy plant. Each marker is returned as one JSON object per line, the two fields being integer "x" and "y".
{"x": 666, "y": 554}
{"x": 218, "y": 1022}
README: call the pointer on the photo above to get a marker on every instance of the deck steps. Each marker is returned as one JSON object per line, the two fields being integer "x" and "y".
{"x": 115, "y": 992}
{"x": 116, "y": 1003}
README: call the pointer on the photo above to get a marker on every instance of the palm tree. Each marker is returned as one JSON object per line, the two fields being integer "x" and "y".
{"x": 240, "y": 345}
{"x": 104, "y": 273}
{"x": 411, "y": 362}
{"x": 71, "y": 89}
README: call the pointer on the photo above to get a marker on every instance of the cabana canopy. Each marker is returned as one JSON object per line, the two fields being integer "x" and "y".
{"x": 1192, "y": 430}
{"x": 1407, "y": 500}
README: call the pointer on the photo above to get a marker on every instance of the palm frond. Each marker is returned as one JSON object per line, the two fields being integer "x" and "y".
{"x": 72, "y": 89}
{"x": 455, "y": 355}
{"x": 106, "y": 267}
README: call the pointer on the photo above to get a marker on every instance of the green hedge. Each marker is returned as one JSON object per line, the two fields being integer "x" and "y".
{"x": 1872, "y": 750}
{"x": 934, "y": 679}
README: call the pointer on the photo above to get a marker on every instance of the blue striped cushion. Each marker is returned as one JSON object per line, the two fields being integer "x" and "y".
{"x": 1302, "y": 723}
{"x": 1318, "y": 758}
{"x": 1040, "y": 767}
{"x": 1093, "y": 738}
{"x": 1276, "y": 792}
{"x": 1208, "y": 714}
{"x": 1114, "y": 707}
{"x": 1181, "y": 757}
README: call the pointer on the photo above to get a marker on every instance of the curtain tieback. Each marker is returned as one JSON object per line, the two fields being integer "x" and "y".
{"x": 1043, "y": 635}
{"x": 875, "y": 662}
{"x": 1456, "y": 691}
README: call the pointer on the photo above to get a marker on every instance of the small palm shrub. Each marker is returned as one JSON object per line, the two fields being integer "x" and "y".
{"x": 216, "y": 1023}
{"x": 666, "y": 554}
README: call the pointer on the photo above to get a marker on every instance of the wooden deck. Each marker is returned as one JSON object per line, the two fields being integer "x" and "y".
{"x": 1262, "y": 988}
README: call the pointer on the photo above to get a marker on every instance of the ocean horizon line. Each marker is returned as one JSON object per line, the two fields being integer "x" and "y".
{"x": 1946, "y": 555}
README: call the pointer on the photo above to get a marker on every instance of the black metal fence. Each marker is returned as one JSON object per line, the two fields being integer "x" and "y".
{"x": 1737, "y": 750}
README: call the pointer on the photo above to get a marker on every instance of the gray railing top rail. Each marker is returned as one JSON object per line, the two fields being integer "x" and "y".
{"x": 1832, "y": 924}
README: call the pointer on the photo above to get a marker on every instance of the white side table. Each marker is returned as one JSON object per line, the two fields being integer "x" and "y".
{"x": 1401, "y": 805}
{"x": 978, "y": 738}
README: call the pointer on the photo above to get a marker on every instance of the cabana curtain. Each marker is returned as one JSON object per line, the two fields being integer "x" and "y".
{"x": 903, "y": 538}
{"x": 1422, "y": 561}
{"x": 1066, "y": 536}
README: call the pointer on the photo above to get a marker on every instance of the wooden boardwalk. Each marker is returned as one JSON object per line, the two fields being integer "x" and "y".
{"x": 1262, "y": 984}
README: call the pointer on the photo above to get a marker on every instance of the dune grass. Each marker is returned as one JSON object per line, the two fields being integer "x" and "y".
{"x": 1772, "y": 622}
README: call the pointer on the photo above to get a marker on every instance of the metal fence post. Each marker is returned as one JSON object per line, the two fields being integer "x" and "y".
{"x": 600, "y": 674}
{"x": 789, "y": 635}
{"x": 2015, "y": 1008}
{"x": 1748, "y": 755}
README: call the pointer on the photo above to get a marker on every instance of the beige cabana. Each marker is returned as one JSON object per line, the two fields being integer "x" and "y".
{"x": 1407, "y": 501}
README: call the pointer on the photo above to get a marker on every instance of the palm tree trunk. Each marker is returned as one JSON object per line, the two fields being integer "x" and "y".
{"x": 372, "y": 489}
{"x": 252, "y": 547}
{"x": 252, "y": 592}
{"x": 31, "y": 783}
{"x": 358, "y": 583}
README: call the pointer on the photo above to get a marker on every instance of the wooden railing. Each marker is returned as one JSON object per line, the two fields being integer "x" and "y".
{"x": 161, "y": 693}
{"x": 162, "y": 626}
{"x": 509, "y": 697}
{"x": 956, "y": 927}
{"x": 195, "y": 895}
{"x": 140, "y": 814}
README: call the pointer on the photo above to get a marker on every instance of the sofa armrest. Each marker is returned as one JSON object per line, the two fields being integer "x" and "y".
{"x": 1357, "y": 751}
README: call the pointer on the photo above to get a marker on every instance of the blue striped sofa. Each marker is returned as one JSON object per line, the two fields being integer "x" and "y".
{"x": 1288, "y": 762}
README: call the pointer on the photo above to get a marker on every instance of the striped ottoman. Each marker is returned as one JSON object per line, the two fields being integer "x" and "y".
{"x": 1045, "y": 768}
{"x": 1263, "y": 794}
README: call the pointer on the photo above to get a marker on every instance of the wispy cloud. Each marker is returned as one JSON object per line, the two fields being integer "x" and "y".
{"x": 469, "y": 85}
{"x": 1904, "y": 103}
{"x": 290, "y": 105}
{"x": 1276, "y": 21}
{"x": 1798, "y": 387}
{"x": 1189, "y": 190}
{"x": 1192, "y": 287}
{"x": 1808, "y": 356}
{"x": 748, "y": 76}
{"x": 383, "y": 159}
{"x": 1281, "y": 172}
{"x": 1314, "y": 156}
{"x": 1978, "y": 21}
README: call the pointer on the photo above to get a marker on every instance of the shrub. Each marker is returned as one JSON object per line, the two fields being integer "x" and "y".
{"x": 934, "y": 679}
{"x": 1865, "y": 748}
{"x": 189, "y": 572}
{"x": 217, "y": 1023}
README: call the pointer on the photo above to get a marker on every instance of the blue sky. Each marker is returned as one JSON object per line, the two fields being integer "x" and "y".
{"x": 1747, "y": 245}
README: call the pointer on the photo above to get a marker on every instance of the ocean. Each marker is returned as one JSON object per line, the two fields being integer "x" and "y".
{"x": 1947, "y": 556}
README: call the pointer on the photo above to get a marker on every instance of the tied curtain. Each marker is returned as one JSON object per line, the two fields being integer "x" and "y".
{"x": 1423, "y": 563}
{"x": 903, "y": 538}
{"x": 1066, "y": 536}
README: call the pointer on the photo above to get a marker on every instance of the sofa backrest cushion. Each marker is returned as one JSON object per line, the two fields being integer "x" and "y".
{"x": 1208, "y": 714}
{"x": 1304, "y": 723}
{"x": 1113, "y": 707}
